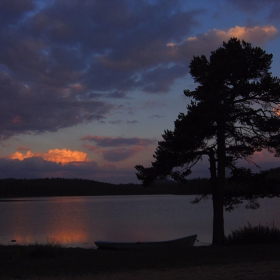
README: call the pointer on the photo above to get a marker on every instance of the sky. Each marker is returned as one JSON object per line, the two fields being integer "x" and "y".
{"x": 87, "y": 87}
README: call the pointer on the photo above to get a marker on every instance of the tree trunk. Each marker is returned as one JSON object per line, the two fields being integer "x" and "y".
{"x": 218, "y": 190}
{"x": 218, "y": 218}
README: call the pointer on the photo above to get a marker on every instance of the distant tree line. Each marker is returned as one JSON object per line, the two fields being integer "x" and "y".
{"x": 237, "y": 187}
{"x": 82, "y": 187}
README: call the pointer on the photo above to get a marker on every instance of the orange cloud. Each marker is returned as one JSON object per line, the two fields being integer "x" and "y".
{"x": 172, "y": 45}
{"x": 202, "y": 43}
{"x": 65, "y": 156}
{"x": 257, "y": 34}
{"x": 21, "y": 156}
{"x": 276, "y": 110}
{"x": 250, "y": 33}
{"x": 62, "y": 156}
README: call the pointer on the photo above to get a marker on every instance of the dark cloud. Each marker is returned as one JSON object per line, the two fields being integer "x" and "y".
{"x": 115, "y": 122}
{"x": 114, "y": 94}
{"x": 117, "y": 149}
{"x": 28, "y": 168}
{"x": 253, "y": 6}
{"x": 117, "y": 155}
{"x": 119, "y": 141}
{"x": 156, "y": 117}
{"x": 37, "y": 167}
{"x": 24, "y": 109}
{"x": 161, "y": 78}
{"x": 58, "y": 59}
{"x": 13, "y": 10}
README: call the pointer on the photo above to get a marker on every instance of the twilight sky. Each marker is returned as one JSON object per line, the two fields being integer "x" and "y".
{"x": 87, "y": 87}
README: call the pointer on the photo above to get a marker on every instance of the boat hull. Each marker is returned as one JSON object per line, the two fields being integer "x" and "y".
{"x": 185, "y": 241}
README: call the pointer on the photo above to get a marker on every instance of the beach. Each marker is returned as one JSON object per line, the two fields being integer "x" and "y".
{"x": 259, "y": 270}
{"x": 235, "y": 262}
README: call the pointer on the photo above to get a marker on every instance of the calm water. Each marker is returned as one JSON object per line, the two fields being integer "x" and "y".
{"x": 79, "y": 221}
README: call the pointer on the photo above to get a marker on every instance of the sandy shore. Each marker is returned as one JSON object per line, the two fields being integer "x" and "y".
{"x": 244, "y": 262}
{"x": 259, "y": 270}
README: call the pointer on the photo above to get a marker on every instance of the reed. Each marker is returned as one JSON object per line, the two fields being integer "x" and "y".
{"x": 253, "y": 235}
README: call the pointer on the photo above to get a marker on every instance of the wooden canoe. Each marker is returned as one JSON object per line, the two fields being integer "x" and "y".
{"x": 185, "y": 241}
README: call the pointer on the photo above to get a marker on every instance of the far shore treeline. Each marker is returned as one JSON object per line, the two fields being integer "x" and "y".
{"x": 82, "y": 187}
{"x": 11, "y": 188}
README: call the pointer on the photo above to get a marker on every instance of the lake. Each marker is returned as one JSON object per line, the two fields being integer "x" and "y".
{"x": 79, "y": 221}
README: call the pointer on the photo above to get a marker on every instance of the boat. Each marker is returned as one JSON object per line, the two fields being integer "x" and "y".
{"x": 185, "y": 241}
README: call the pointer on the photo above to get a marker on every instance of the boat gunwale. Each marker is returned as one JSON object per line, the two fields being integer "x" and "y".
{"x": 188, "y": 241}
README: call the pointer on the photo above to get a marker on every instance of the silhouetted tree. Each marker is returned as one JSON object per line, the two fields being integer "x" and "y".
{"x": 233, "y": 113}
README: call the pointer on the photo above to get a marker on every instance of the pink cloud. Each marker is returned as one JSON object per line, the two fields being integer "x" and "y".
{"x": 264, "y": 159}
{"x": 90, "y": 147}
{"x": 204, "y": 43}
{"x": 22, "y": 148}
{"x": 63, "y": 156}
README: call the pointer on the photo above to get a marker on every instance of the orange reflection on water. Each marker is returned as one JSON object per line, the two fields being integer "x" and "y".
{"x": 27, "y": 239}
{"x": 60, "y": 238}
{"x": 68, "y": 237}
{"x": 55, "y": 222}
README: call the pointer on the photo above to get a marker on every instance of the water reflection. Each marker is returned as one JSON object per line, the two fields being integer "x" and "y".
{"x": 79, "y": 221}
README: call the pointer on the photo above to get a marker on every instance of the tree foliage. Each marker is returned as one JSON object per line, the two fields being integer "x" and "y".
{"x": 234, "y": 112}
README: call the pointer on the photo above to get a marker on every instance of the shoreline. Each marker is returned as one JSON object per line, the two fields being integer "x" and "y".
{"x": 46, "y": 262}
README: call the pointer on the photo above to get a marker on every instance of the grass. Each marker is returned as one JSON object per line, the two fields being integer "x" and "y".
{"x": 35, "y": 251}
{"x": 254, "y": 235}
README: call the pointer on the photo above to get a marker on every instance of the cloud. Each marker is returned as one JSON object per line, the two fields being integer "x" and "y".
{"x": 264, "y": 159}
{"x": 117, "y": 155}
{"x": 115, "y": 122}
{"x": 119, "y": 148}
{"x": 91, "y": 147}
{"x": 252, "y": 6}
{"x": 22, "y": 148}
{"x": 55, "y": 67}
{"x": 37, "y": 167}
{"x": 132, "y": 122}
{"x": 156, "y": 116}
{"x": 57, "y": 71}
{"x": 204, "y": 43}
{"x": 257, "y": 34}
{"x": 21, "y": 156}
{"x": 62, "y": 156}
{"x": 50, "y": 110}
{"x": 13, "y": 10}
{"x": 118, "y": 141}
{"x": 65, "y": 156}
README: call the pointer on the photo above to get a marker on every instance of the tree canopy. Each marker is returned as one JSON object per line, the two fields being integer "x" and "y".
{"x": 234, "y": 112}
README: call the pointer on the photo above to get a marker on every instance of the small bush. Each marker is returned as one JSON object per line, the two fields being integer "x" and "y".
{"x": 253, "y": 235}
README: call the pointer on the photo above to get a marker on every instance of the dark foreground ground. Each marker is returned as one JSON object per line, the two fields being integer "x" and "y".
{"x": 45, "y": 262}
